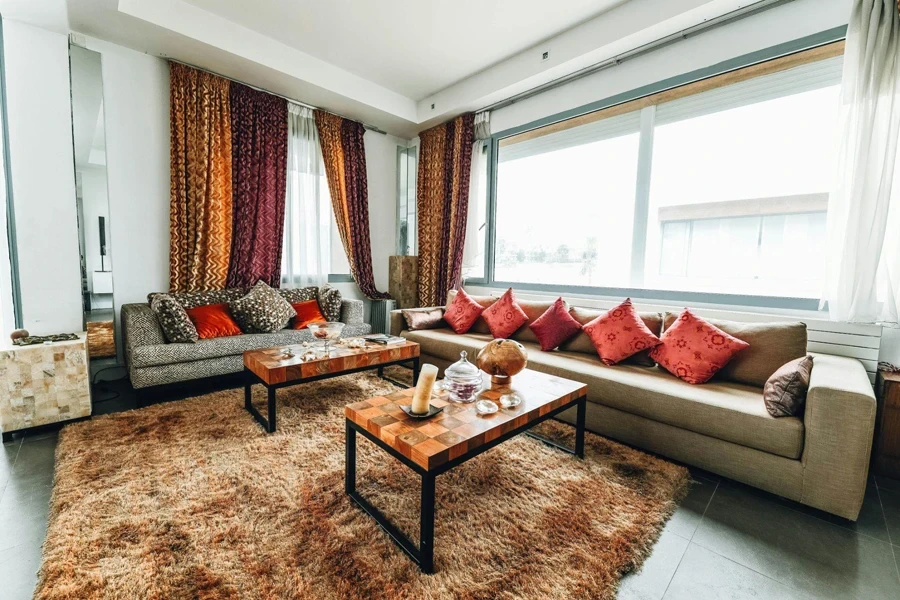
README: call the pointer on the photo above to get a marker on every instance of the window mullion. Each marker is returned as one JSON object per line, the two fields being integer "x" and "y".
{"x": 642, "y": 197}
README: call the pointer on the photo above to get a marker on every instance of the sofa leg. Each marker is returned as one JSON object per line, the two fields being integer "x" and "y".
{"x": 7, "y": 436}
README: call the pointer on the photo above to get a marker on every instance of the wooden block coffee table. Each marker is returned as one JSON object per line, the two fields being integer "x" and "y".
{"x": 435, "y": 445}
{"x": 269, "y": 367}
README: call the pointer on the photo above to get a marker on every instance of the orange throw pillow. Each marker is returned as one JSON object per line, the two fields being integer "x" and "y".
{"x": 620, "y": 333}
{"x": 213, "y": 321}
{"x": 307, "y": 312}
{"x": 695, "y": 350}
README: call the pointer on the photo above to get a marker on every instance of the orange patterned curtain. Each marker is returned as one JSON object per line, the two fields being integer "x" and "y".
{"x": 445, "y": 159}
{"x": 344, "y": 155}
{"x": 201, "y": 187}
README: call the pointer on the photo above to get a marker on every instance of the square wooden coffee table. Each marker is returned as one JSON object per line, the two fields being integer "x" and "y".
{"x": 270, "y": 368}
{"x": 435, "y": 445}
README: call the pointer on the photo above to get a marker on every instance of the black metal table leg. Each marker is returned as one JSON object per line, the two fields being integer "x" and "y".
{"x": 426, "y": 525}
{"x": 381, "y": 371}
{"x": 271, "y": 419}
{"x": 579, "y": 427}
{"x": 350, "y": 460}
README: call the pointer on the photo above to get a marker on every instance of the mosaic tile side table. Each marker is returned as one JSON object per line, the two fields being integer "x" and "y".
{"x": 43, "y": 384}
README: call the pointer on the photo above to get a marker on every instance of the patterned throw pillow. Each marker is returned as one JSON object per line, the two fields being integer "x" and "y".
{"x": 174, "y": 320}
{"x": 555, "y": 326}
{"x": 462, "y": 312}
{"x": 504, "y": 316}
{"x": 330, "y": 302}
{"x": 194, "y": 299}
{"x": 295, "y": 295}
{"x": 620, "y": 333}
{"x": 262, "y": 310}
{"x": 785, "y": 391}
{"x": 694, "y": 350}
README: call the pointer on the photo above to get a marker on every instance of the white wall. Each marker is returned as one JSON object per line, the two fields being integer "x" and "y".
{"x": 43, "y": 177}
{"x": 136, "y": 103}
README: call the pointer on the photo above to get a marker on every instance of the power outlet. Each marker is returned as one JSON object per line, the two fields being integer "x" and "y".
{"x": 545, "y": 56}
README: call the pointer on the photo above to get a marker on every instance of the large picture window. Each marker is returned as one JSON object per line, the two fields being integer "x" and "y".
{"x": 717, "y": 187}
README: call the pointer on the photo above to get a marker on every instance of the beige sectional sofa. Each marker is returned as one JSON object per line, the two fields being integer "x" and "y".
{"x": 722, "y": 426}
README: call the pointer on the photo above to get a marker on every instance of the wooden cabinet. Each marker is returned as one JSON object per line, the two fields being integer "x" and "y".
{"x": 886, "y": 460}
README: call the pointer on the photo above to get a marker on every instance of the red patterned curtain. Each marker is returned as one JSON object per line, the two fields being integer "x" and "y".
{"x": 344, "y": 155}
{"x": 259, "y": 142}
{"x": 445, "y": 160}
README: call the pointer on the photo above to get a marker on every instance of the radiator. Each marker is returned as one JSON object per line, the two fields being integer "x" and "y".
{"x": 381, "y": 315}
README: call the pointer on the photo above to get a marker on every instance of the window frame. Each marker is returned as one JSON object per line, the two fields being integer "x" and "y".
{"x": 644, "y": 99}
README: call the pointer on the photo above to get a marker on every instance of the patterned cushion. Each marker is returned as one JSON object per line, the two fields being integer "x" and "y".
{"x": 505, "y": 316}
{"x": 555, "y": 326}
{"x": 174, "y": 320}
{"x": 694, "y": 350}
{"x": 620, "y": 333}
{"x": 296, "y": 295}
{"x": 195, "y": 299}
{"x": 462, "y": 312}
{"x": 330, "y": 302}
{"x": 262, "y": 310}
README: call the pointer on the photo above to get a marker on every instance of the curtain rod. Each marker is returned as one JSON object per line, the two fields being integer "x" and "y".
{"x": 289, "y": 99}
{"x": 730, "y": 17}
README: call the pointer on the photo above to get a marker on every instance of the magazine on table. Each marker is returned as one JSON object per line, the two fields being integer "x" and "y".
{"x": 383, "y": 339}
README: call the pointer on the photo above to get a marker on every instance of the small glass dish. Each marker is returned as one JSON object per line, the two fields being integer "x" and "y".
{"x": 486, "y": 407}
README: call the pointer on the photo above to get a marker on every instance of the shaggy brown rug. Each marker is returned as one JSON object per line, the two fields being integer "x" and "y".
{"x": 190, "y": 499}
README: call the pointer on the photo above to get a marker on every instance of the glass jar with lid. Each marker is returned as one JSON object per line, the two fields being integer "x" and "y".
{"x": 462, "y": 380}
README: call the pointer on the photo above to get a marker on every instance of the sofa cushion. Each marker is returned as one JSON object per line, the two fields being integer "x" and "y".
{"x": 771, "y": 345}
{"x": 582, "y": 342}
{"x": 170, "y": 354}
{"x": 693, "y": 350}
{"x": 555, "y": 326}
{"x": 308, "y": 311}
{"x": 725, "y": 410}
{"x": 462, "y": 312}
{"x": 533, "y": 311}
{"x": 504, "y": 317}
{"x": 480, "y": 325}
{"x": 262, "y": 310}
{"x": 431, "y": 318}
{"x": 195, "y": 299}
{"x": 444, "y": 343}
{"x": 785, "y": 391}
{"x": 173, "y": 319}
{"x": 330, "y": 302}
{"x": 728, "y": 411}
{"x": 620, "y": 333}
{"x": 213, "y": 321}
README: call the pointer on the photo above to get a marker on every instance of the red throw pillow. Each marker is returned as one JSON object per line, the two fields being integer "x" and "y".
{"x": 308, "y": 312}
{"x": 619, "y": 333}
{"x": 555, "y": 326}
{"x": 504, "y": 316}
{"x": 694, "y": 350}
{"x": 462, "y": 313}
{"x": 213, "y": 321}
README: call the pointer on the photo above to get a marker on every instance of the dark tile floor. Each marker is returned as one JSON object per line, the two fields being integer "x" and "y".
{"x": 726, "y": 540}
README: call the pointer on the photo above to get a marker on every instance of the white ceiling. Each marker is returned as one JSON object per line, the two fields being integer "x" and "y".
{"x": 413, "y": 47}
{"x": 400, "y": 65}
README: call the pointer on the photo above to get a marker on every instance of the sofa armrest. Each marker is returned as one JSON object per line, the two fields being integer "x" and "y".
{"x": 140, "y": 327}
{"x": 352, "y": 312}
{"x": 840, "y": 422}
{"x": 398, "y": 323}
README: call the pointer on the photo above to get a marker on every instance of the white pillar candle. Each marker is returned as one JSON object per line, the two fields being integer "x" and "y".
{"x": 422, "y": 396}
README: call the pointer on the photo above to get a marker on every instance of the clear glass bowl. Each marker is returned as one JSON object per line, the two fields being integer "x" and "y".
{"x": 462, "y": 380}
{"x": 326, "y": 332}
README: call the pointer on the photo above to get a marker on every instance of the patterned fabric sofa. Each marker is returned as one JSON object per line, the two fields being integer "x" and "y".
{"x": 820, "y": 459}
{"x": 152, "y": 361}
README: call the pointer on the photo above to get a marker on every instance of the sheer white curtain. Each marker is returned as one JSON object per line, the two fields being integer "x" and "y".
{"x": 473, "y": 250}
{"x": 860, "y": 212}
{"x": 307, "y": 217}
